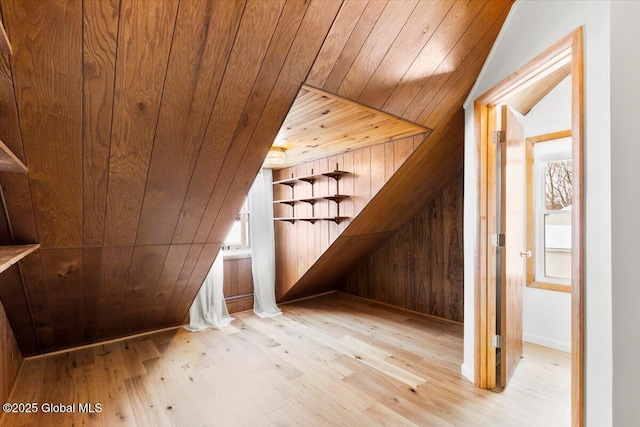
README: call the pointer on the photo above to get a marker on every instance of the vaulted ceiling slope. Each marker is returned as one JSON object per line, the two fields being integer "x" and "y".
{"x": 143, "y": 124}
{"x": 416, "y": 60}
{"x": 321, "y": 124}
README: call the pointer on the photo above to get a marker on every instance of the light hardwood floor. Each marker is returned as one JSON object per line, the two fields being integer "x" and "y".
{"x": 328, "y": 361}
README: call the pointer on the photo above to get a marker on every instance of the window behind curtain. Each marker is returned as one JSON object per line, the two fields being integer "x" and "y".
{"x": 238, "y": 237}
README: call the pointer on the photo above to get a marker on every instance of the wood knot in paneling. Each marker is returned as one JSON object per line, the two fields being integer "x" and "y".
{"x": 66, "y": 268}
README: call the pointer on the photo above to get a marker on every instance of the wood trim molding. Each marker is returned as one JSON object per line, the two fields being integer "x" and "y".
{"x": 550, "y": 136}
{"x": 231, "y": 256}
{"x": 480, "y": 260}
{"x": 577, "y": 229}
{"x": 307, "y": 297}
{"x": 550, "y": 286}
{"x": 529, "y": 197}
{"x": 569, "y": 50}
{"x": 530, "y": 211}
{"x": 395, "y": 307}
{"x": 95, "y": 344}
{"x": 539, "y": 67}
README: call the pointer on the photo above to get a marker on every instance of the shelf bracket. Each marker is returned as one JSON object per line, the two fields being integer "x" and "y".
{"x": 337, "y": 219}
{"x": 291, "y": 220}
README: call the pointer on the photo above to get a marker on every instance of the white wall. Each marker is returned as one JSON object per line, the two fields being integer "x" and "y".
{"x": 625, "y": 197}
{"x": 552, "y": 113}
{"x": 533, "y": 26}
{"x": 547, "y": 314}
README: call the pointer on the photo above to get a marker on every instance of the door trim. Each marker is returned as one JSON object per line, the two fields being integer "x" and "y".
{"x": 569, "y": 49}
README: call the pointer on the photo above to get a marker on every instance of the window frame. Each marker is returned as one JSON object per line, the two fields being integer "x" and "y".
{"x": 534, "y": 199}
{"x": 244, "y": 217}
{"x": 540, "y": 273}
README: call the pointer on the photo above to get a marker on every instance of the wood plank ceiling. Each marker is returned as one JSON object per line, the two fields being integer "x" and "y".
{"x": 321, "y": 124}
{"x": 416, "y": 60}
{"x": 143, "y": 124}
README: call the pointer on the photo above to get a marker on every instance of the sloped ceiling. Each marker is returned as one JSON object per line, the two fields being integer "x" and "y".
{"x": 143, "y": 124}
{"x": 321, "y": 124}
{"x": 418, "y": 61}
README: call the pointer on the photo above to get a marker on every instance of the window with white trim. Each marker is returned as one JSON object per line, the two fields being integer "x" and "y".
{"x": 238, "y": 236}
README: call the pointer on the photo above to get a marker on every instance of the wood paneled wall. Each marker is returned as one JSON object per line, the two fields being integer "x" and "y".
{"x": 301, "y": 244}
{"x": 420, "y": 268}
{"x": 10, "y": 357}
{"x": 238, "y": 280}
{"x": 417, "y": 60}
{"x": 143, "y": 125}
{"x": 238, "y": 284}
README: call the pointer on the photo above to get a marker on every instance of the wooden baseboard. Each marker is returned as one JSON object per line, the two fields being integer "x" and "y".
{"x": 128, "y": 337}
{"x": 239, "y": 304}
{"x": 305, "y": 298}
{"x": 427, "y": 316}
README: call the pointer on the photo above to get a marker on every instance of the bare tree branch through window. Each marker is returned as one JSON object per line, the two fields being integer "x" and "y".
{"x": 558, "y": 178}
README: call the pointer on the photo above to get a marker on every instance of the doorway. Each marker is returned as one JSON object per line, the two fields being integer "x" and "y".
{"x": 496, "y": 297}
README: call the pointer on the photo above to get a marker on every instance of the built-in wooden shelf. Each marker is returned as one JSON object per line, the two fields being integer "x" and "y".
{"x": 311, "y": 178}
{"x": 312, "y": 200}
{"x": 336, "y": 219}
{"x": 9, "y": 162}
{"x": 5, "y": 45}
{"x": 291, "y": 220}
{"x": 288, "y": 182}
{"x": 289, "y": 202}
{"x": 9, "y": 255}
{"x": 336, "y": 198}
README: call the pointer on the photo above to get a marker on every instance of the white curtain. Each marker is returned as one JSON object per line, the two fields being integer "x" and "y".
{"x": 209, "y": 310}
{"x": 261, "y": 232}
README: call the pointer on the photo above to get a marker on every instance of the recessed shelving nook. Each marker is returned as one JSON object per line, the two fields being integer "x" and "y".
{"x": 313, "y": 200}
{"x": 9, "y": 162}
